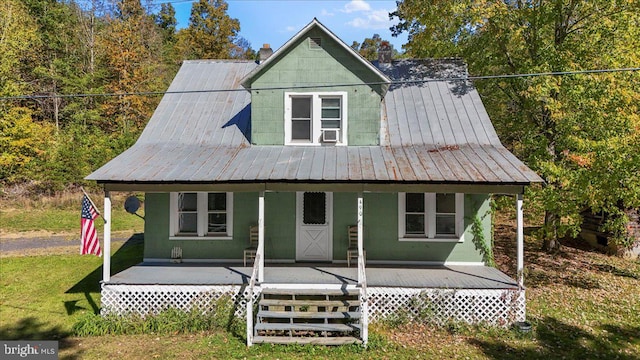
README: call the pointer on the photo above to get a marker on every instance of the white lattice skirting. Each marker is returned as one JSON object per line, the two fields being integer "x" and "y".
{"x": 496, "y": 307}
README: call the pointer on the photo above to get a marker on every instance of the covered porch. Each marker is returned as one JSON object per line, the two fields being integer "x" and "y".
{"x": 438, "y": 294}
{"x": 408, "y": 289}
{"x": 437, "y": 277}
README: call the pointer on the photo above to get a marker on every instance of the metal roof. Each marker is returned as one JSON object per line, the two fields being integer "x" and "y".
{"x": 431, "y": 132}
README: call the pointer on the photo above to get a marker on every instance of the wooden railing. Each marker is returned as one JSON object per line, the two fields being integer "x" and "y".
{"x": 249, "y": 299}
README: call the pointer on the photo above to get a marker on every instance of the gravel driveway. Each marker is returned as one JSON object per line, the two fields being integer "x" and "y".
{"x": 56, "y": 241}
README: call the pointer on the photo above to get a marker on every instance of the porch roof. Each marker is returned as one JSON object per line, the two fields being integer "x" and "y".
{"x": 449, "y": 277}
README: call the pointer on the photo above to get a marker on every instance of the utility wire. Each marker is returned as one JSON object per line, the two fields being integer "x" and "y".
{"x": 399, "y": 82}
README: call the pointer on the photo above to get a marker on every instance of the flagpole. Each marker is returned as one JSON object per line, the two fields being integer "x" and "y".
{"x": 92, "y": 203}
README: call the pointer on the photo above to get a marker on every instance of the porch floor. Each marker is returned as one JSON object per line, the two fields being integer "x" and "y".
{"x": 449, "y": 277}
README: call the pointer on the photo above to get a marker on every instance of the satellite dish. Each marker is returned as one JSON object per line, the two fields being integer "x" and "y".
{"x": 132, "y": 204}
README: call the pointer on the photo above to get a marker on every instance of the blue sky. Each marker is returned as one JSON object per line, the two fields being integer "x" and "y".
{"x": 276, "y": 21}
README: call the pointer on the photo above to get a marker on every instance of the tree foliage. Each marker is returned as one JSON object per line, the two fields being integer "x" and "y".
{"x": 131, "y": 45}
{"x": 54, "y": 47}
{"x": 370, "y": 46}
{"x": 211, "y": 31}
{"x": 580, "y": 132}
{"x": 22, "y": 140}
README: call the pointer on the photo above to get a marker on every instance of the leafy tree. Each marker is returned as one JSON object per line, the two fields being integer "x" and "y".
{"x": 580, "y": 132}
{"x": 370, "y": 46}
{"x": 22, "y": 139}
{"x": 61, "y": 56}
{"x": 126, "y": 9}
{"x": 241, "y": 49}
{"x": 18, "y": 44}
{"x": 211, "y": 32}
{"x": 132, "y": 49}
{"x": 166, "y": 20}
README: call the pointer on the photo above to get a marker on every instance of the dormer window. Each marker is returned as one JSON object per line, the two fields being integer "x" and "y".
{"x": 315, "y": 118}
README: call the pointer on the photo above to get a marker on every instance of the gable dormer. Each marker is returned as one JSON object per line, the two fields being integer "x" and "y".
{"x": 316, "y": 91}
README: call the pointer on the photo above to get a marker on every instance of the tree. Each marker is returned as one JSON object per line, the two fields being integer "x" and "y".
{"x": 370, "y": 46}
{"x": 580, "y": 132}
{"x": 132, "y": 49}
{"x": 166, "y": 20}
{"x": 61, "y": 57}
{"x": 211, "y": 32}
{"x": 22, "y": 139}
{"x": 241, "y": 49}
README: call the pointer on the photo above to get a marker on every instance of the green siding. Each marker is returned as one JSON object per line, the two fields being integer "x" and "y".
{"x": 156, "y": 226}
{"x": 158, "y": 245}
{"x": 381, "y": 232}
{"x": 380, "y": 229}
{"x": 280, "y": 226}
{"x": 304, "y": 66}
{"x": 345, "y": 213}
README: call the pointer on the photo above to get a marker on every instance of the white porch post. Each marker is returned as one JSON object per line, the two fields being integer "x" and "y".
{"x": 360, "y": 227}
{"x": 362, "y": 277}
{"x": 520, "y": 241}
{"x": 261, "y": 237}
{"x": 106, "y": 265}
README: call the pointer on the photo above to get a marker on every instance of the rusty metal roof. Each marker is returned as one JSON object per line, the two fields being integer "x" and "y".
{"x": 431, "y": 132}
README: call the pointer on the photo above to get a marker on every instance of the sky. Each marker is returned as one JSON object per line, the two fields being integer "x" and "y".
{"x": 276, "y": 21}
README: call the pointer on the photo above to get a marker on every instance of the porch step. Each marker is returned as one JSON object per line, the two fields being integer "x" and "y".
{"x": 342, "y": 340}
{"x": 342, "y": 328}
{"x": 322, "y": 292}
{"x": 301, "y": 303}
{"x": 308, "y": 316}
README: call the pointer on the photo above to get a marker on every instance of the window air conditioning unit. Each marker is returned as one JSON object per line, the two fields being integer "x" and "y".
{"x": 330, "y": 135}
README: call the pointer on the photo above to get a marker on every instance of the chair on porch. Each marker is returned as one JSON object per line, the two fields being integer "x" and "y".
{"x": 250, "y": 252}
{"x": 352, "y": 250}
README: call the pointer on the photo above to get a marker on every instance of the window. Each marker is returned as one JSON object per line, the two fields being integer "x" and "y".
{"x": 201, "y": 215}
{"x": 301, "y": 118}
{"x": 430, "y": 217}
{"x": 314, "y": 208}
{"x": 315, "y": 118}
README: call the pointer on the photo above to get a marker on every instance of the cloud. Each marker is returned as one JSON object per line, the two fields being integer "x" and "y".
{"x": 377, "y": 19}
{"x": 356, "y": 5}
{"x": 324, "y": 12}
{"x": 291, "y": 29}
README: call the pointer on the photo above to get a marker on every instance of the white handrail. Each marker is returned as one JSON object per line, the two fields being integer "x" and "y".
{"x": 249, "y": 300}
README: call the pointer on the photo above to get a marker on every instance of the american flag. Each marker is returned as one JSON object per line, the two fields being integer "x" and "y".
{"x": 88, "y": 234}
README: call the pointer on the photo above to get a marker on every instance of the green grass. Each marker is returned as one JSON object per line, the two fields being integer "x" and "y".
{"x": 61, "y": 215}
{"x": 62, "y": 221}
{"x": 41, "y": 297}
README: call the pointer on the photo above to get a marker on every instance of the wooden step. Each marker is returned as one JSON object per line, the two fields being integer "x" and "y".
{"x": 309, "y": 314}
{"x": 331, "y": 292}
{"x": 323, "y": 303}
{"x": 307, "y": 327}
{"x": 342, "y": 340}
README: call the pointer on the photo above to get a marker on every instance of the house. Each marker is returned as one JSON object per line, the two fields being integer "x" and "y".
{"x": 593, "y": 231}
{"x": 302, "y": 147}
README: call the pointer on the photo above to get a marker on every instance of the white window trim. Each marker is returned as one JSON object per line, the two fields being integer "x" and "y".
{"x": 316, "y": 115}
{"x": 430, "y": 220}
{"x": 202, "y": 219}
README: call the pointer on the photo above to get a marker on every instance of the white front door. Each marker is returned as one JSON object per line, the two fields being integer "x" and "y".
{"x": 314, "y": 235}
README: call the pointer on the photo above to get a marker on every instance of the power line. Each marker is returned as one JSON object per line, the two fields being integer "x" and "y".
{"x": 402, "y": 82}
